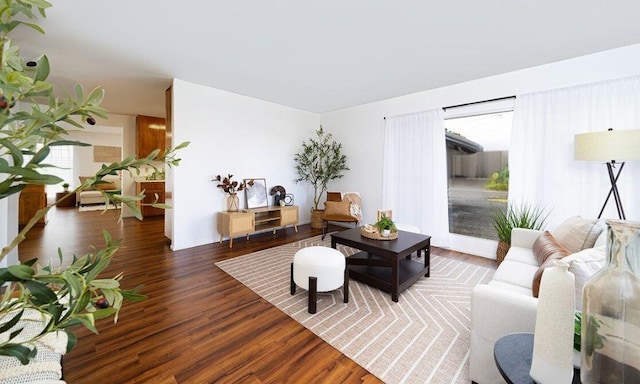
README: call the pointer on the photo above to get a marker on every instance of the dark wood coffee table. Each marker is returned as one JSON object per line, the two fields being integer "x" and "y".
{"x": 386, "y": 264}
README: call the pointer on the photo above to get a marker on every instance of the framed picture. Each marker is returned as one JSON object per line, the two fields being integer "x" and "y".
{"x": 385, "y": 212}
{"x": 288, "y": 199}
{"x": 255, "y": 192}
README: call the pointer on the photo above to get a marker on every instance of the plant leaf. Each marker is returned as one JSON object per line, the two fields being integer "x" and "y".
{"x": 88, "y": 321}
{"x": 105, "y": 283}
{"x": 18, "y": 351}
{"x": 69, "y": 142}
{"x": 16, "y": 153}
{"x": 41, "y": 293}
{"x": 71, "y": 340}
{"x": 96, "y": 96}
{"x": 103, "y": 313}
{"x": 20, "y": 271}
{"x": 132, "y": 295}
{"x": 13, "y": 321}
{"x": 43, "y": 68}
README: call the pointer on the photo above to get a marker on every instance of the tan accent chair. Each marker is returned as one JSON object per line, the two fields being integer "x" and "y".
{"x": 339, "y": 209}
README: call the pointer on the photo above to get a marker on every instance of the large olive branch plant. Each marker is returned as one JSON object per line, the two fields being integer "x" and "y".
{"x": 320, "y": 161}
{"x": 63, "y": 296}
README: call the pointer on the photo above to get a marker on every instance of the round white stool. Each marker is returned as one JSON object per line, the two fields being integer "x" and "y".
{"x": 319, "y": 269}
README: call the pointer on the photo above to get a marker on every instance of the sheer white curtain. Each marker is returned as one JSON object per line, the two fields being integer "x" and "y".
{"x": 541, "y": 158}
{"x": 414, "y": 173}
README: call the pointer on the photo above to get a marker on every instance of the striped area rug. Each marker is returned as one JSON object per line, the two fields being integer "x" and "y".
{"x": 424, "y": 338}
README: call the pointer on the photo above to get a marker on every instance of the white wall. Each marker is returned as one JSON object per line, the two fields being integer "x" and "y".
{"x": 360, "y": 128}
{"x": 127, "y": 140}
{"x": 83, "y": 163}
{"x": 9, "y": 228}
{"x": 230, "y": 133}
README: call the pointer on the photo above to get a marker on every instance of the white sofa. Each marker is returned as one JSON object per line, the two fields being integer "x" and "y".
{"x": 507, "y": 305}
{"x": 95, "y": 196}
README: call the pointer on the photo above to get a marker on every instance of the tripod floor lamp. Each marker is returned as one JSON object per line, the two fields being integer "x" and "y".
{"x": 606, "y": 146}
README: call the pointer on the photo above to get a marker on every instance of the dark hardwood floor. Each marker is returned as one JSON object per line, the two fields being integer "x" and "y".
{"x": 198, "y": 325}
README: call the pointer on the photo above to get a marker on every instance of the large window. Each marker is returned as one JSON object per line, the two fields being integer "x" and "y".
{"x": 62, "y": 157}
{"x": 478, "y": 171}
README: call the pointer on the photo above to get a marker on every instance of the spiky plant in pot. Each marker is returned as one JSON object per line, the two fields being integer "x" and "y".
{"x": 515, "y": 216}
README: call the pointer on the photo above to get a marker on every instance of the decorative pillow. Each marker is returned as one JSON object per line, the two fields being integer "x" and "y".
{"x": 547, "y": 249}
{"x": 337, "y": 208}
{"x": 106, "y": 186}
{"x": 576, "y": 233}
{"x": 583, "y": 265}
{"x": 601, "y": 240}
{"x": 545, "y": 246}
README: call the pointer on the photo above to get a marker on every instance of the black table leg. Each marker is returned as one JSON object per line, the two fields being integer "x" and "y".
{"x": 313, "y": 293}
{"x": 346, "y": 285}
{"x": 293, "y": 284}
{"x": 395, "y": 278}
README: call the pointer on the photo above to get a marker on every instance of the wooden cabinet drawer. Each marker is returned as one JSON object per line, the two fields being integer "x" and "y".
{"x": 32, "y": 198}
{"x": 241, "y": 224}
{"x": 254, "y": 220}
{"x": 151, "y": 189}
{"x": 289, "y": 215}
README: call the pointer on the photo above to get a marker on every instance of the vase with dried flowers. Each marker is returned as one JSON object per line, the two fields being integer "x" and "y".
{"x": 232, "y": 188}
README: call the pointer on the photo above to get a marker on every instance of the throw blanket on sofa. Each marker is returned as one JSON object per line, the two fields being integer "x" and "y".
{"x": 45, "y": 368}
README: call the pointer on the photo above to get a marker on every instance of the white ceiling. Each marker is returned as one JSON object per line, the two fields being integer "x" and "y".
{"x": 313, "y": 55}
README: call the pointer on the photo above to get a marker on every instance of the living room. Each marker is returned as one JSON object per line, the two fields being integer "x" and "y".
{"x": 359, "y": 129}
{"x": 254, "y": 138}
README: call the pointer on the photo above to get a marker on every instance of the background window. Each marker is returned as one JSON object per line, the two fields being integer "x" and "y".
{"x": 478, "y": 171}
{"x": 61, "y": 156}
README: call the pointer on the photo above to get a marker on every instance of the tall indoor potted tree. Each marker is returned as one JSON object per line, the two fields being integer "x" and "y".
{"x": 62, "y": 297}
{"x": 320, "y": 161}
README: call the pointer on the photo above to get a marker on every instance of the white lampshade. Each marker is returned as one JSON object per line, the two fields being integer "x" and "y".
{"x": 621, "y": 145}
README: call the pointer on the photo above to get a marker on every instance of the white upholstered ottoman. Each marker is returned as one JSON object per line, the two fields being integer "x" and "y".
{"x": 319, "y": 269}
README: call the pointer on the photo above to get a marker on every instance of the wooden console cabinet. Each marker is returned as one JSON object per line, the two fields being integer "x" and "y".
{"x": 32, "y": 198}
{"x": 151, "y": 188}
{"x": 248, "y": 221}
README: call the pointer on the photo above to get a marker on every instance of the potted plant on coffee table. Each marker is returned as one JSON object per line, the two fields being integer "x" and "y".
{"x": 320, "y": 161}
{"x": 515, "y": 216}
{"x": 385, "y": 226}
